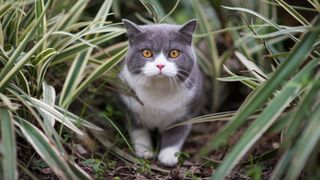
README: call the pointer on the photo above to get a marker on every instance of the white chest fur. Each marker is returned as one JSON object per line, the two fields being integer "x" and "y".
{"x": 163, "y": 102}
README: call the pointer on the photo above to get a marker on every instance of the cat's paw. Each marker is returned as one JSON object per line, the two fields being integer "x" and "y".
{"x": 144, "y": 153}
{"x": 167, "y": 156}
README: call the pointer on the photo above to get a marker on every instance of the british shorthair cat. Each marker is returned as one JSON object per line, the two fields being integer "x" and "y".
{"x": 161, "y": 68}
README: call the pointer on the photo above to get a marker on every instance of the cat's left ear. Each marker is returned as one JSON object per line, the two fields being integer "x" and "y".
{"x": 187, "y": 30}
{"x": 132, "y": 28}
{"x": 189, "y": 27}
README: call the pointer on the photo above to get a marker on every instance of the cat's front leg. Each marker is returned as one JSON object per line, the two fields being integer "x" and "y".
{"x": 142, "y": 143}
{"x": 171, "y": 143}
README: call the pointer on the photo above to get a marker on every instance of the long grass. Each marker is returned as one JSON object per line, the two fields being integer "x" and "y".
{"x": 35, "y": 35}
{"x": 38, "y": 36}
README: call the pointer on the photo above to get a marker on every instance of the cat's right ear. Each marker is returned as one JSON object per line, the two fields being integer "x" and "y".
{"x": 132, "y": 28}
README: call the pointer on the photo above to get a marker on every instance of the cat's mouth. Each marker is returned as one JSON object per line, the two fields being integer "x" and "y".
{"x": 159, "y": 74}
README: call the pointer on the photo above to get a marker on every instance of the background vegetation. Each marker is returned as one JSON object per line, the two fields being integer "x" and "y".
{"x": 58, "y": 79}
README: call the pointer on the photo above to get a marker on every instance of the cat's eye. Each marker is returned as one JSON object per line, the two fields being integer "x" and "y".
{"x": 174, "y": 53}
{"x": 147, "y": 53}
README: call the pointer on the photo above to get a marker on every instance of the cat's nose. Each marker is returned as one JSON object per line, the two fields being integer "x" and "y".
{"x": 160, "y": 66}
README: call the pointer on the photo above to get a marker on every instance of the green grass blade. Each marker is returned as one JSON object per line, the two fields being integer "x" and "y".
{"x": 76, "y": 71}
{"x": 205, "y": 26}
{"x": 13, "y": 59}
{"x": 48, "y": 110}
{"x": 9, "y": 161}
{"x": 120, "y": 133}
{"x": 72, "y": 50}
{"x": 42, "y": 108}
{"x": 80, "y": 173}
{"x": 252, "y": 67}
{"x": 4, "y": 8}
{"x": 263, "y": 122}
{"x": 77, "y": 120}
{"x": 293, "y": 12}
{"x": 236, "y": 79}
{"x": 283, "y": 72}
{"x": 261, "y": 17}
{"x": 250, "y": 83}
{"x": 45, "y": 149}
{"x": 150, "y": 7}
{"x": 305, "y": 145}
{"x": 73, "y": 14}
{"x": 44, "y": 58}
{"x": 42, "y": 28}
{"x": 171, "y": 11}
{"x": 302, "y": 113}
{"x": 98, "y": 72}
{"x": 49, "y": 96}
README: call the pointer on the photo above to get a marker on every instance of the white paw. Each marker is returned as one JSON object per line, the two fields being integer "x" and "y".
{"x": 144, "y": 153}
{"x": 167, "y": 156}
{"x": 142, "y": 143}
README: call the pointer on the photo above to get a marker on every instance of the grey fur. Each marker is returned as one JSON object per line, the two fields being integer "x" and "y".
{"x": 163, "y": 38}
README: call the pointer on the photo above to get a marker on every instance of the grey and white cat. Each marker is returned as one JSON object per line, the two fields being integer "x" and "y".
{"x": 161, "y": 68}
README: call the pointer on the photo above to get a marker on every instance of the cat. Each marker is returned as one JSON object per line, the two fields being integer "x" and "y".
{"x": 160, "y": 67}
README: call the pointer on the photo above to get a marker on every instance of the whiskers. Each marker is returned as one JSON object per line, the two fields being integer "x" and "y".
{"x": 187, "y": 81}
{"x": 140, "y": 80}
{"x": 170, "y": 82}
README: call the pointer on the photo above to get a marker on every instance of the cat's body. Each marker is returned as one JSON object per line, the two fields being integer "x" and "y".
{"x": 161, "y": 69}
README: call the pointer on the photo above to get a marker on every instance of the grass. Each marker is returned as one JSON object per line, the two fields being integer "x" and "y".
{"x": 85, "y": 38}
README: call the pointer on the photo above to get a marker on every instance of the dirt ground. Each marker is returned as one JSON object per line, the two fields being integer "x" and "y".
{"x": 261, "y": 159}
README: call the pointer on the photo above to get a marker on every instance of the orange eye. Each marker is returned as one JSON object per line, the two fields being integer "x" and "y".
{"x": 174, "y": 53}
{"x": 147, "y": 53}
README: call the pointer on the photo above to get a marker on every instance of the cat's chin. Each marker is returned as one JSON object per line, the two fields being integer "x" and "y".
{"x": 159, "y": 76}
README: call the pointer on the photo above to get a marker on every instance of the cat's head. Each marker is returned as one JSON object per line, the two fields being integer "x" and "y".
{"x": 160, "y": 50}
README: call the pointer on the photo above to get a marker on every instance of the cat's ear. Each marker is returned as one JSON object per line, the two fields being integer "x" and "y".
{"x": 189, "y": 27}
{"x": 132, "y": 28}
{"x": 187, "y": 30}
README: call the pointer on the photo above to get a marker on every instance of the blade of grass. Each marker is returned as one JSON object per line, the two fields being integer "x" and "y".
{"x": 13, "y": 59}
{"x": 252, "y": 67}
{"x": 302, "y": 113}
{"x": 9, "y": 71}
{"x": 293, "y": 12}
{"x": 119, "y": 131}
{"x": 9, "y": 161}
{"x": 171, "y": 11}
{"x": 4, "y": 8}
{"x": 250, "y": 83}
{"x": 236, "y": 79}
{"x": 76, "y": 71}
{"x": 79, "y": 47}
{"x": 261, "y": 17}
{"x": 42, "y": 28}
{"x": 151, "y": 9}
{"x": 45, "y": 149}
{"x": 45, "y": 59}
{"x": 263, "y": 122}
{"x": 103, "y": 68}
{"x": 43, "y": 107}
{"x": 283, "y": 72}
{"x": 49, "y": 96}
{"x": 223, "y": 116}
{"x": 213, "y": 51}
{"x": 77, "y": 120}
{"x": 305, "y": 145}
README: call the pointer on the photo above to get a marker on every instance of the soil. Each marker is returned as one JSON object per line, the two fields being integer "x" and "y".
{"x": 190, "y": 169}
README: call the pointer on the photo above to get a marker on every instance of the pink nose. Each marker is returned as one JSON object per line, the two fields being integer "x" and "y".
{"x": 160, "y": 66}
